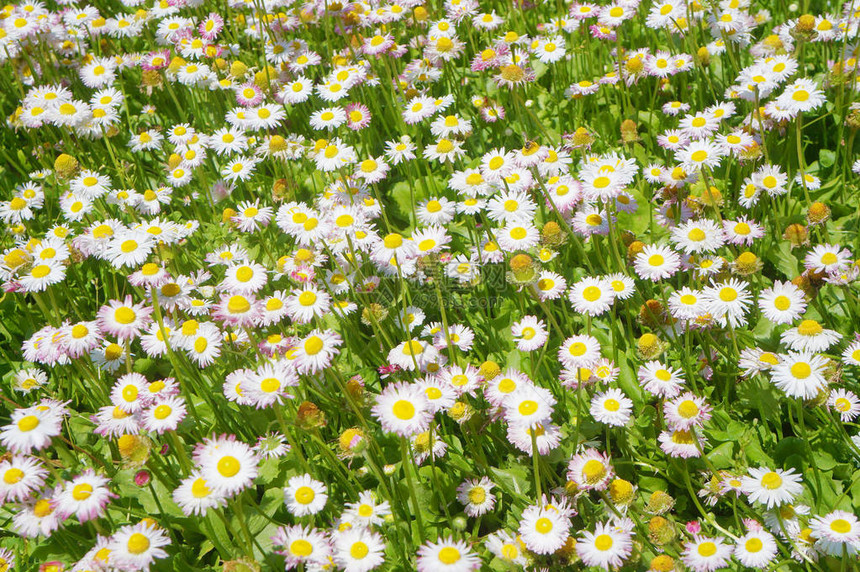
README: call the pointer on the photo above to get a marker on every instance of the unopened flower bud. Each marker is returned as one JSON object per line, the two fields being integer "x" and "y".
{"x": 581, "y": 138}
{"x": 621, "y": 492}
{"x": 747, "y": 263}
{"x": 65, "y": 166}
{"x": 805, "y": 23}
{"x": 818, "y": 213}
{"x": 796, "y": 235}
{"x": 662, "y": 563}
{"x": 660, "y": 502}
{"x": 634, "y": 248}
{"x": 351, "y": 442}
{"x": 552, "y": 234}
{"x": 151, "y": 78}
{"x": 238, "y": 69}
{"x": 649, "y": 346}
{"x": 490, "y": 370}
{"x": 629, "y": 131}
{"x": 309, "y": 416}
{"x": 660, "y": 531}
{"x": 227, "y": 215}
{"x": 652, "y": 314}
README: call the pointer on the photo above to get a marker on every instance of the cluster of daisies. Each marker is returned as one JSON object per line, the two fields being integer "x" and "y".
{"x": 251, "y": 252}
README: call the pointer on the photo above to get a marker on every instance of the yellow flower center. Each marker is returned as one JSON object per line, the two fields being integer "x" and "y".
{"x": 28, "y": 423}
{"x": 603, "y": 542}
{"x": 82, "y": 491}
{"x": 138, "y": 543}
{"x": 403, "y": 410}
{"x": 228, "y": 466}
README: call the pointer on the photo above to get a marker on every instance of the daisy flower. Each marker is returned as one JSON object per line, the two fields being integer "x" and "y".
{"x": 656, "y": 262}
{"x": 302, "y": 545}
{"x": 413, "y": 355}
{"x": 728, "y": 301}
{"x": 123, "y": 319}
{"x": 84, "y": 497}
{"x": 229, "y": 466}
{"x": 809, "y": 336}
{"x": 607, "y": 547}
{"x": 304, "y": 495}
{"x": 782, "y": 303}
{"x": 579, "y": 351}
{"x": 358, "y": 550}
{"x": 699, "y": 154}
{"x": 756, "y": 549}
{"x": 837, "y": 533}
{"x": 828, "y": 258}
{"x": 138, "y": 546}
{"x": 550, "y": 285}
{"x": 367, "y": 511}
{"x": 476, "y": 497}
{"x": 846, "y": 403}
{"x": 447, "y": 555}
{"x": 194, "y": 495}
{"x": 802, "y": 95}
{"x": 695, "y": 236}
{"x": 305, "y": 304}
{"x": 592, "y": 296}
{"x": 611, "y": 407}
{"x": 660, "y": 379}
{"x": 529, "y": 333}
{"x": 30, "y": 428}
{"x": 543, "y": 530}
{"x": 590, "y": 470}
{"x": 316, "y": 351}
{"x": 19, "y": 476}
{"x": 686, "y": 304}
{"x": 704, "y": 554}
{"x": 686, "y": 411}
{"x": 164, "y": 415}
{"x": 403, "y": 409}
{"x": 529, "y": 405}
{"x": 506, "y": 548}
{"x": 771, "y": 487}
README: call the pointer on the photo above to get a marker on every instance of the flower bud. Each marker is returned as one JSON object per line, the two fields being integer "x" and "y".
{"x": 581, "y": 138}
{"x": 660, "y": 531}
{"x": 805, "y": 23}
{"x": 227, "y": 215}
{"x": 662, "y": 563}
{"x": 490, "y": 369}
{"x": 238, "y": 69}
{"x": 351, "y": 442}
{"x": 660, "y": 502}
{"x": 309, "y": 416}
{"x": 552, "y": 234}
{"x": 634, "y": 248}
{"x": 621, "y": 492}
{"x": 747, "y": 263}
{"x": 818, "y": 213}
{"x": 796, "y": 235}
{"x": 629, "y": 131}
{"x": 65, "y": 166}
{"x": 652, "y": 314}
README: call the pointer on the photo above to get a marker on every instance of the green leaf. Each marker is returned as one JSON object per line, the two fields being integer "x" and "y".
{"x": 826, "y": 157}
{"x": 722, "y": 456}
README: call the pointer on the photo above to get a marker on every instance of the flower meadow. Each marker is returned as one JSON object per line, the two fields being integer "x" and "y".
{"x": 429, "y": 285}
